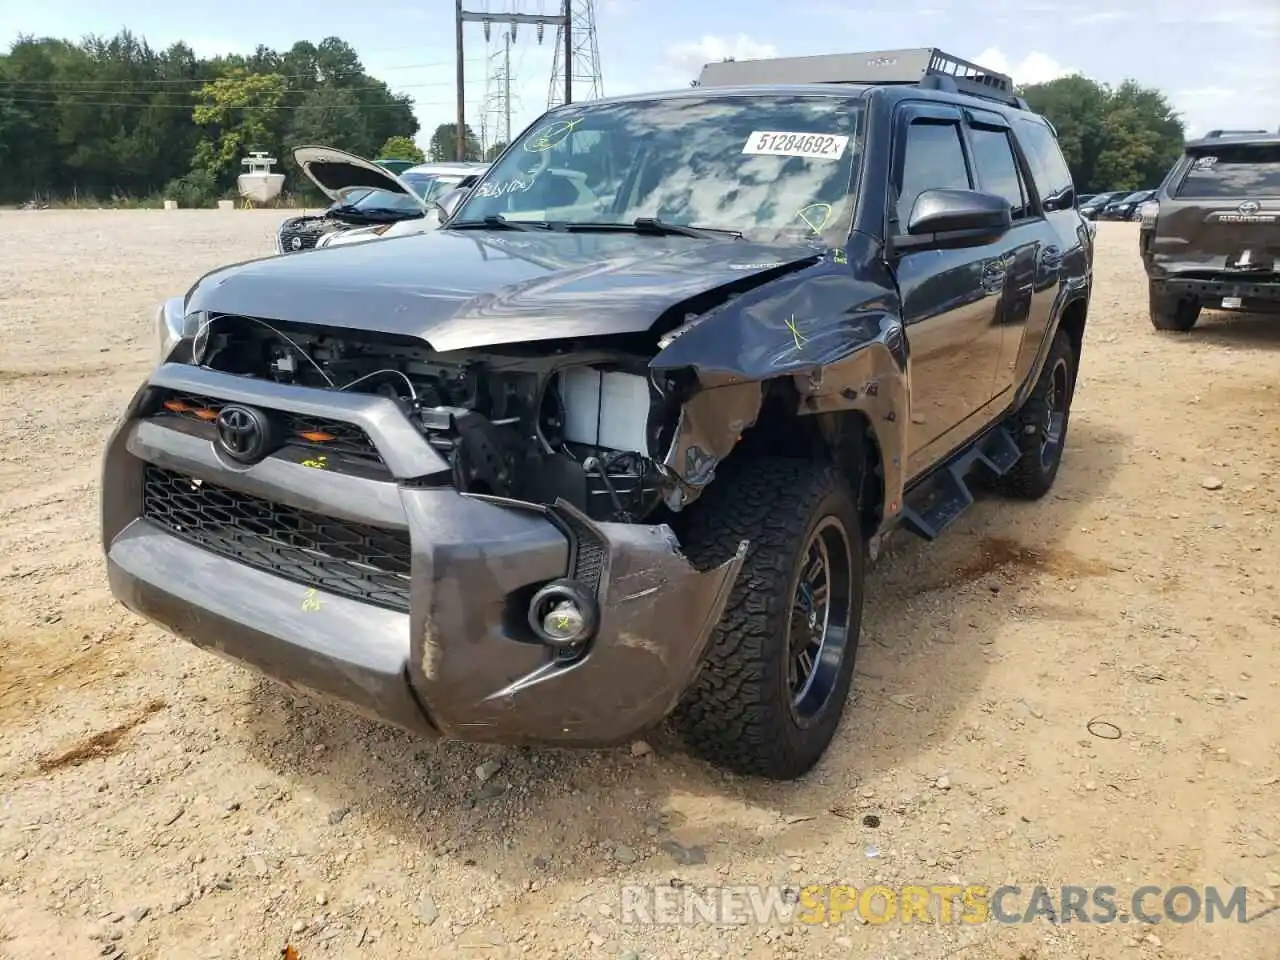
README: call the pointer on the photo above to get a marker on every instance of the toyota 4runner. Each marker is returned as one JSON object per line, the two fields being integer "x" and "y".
{"x": 1211, "y": 236}
{"x": 617, "y": 443}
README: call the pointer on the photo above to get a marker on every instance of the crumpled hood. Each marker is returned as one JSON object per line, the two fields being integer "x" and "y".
{"x": 459, "y": 289}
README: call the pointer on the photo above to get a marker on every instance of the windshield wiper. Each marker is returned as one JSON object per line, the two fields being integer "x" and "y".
{"x": 497, "y": 221}
{"x": 655, "y": 227}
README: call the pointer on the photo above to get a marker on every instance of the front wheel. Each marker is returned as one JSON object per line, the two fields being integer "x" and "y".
{"x": 774, "y": 682}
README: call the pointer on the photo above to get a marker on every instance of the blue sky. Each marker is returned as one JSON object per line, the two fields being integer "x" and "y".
{"x": 1225, "y": 74}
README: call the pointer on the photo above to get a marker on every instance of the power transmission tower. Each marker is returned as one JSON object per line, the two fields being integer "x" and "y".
{"x": 538, "y": 20}
{"x": 577, "y": 62}
{"x": 495, "y": 121}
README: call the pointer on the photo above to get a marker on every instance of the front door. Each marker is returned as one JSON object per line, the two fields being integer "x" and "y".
{"x": 950, "y": 298}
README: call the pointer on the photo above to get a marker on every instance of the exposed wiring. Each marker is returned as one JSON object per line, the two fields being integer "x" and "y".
{"x": 399, "y": 373}
{"x": 198, "y": 349}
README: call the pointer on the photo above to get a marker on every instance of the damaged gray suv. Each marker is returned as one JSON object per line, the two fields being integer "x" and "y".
{"x": 617, "y": 443}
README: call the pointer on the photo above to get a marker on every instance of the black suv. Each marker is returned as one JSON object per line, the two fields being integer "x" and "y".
{"x": 618, "y": 442}
{"x": 1209, "y": 237}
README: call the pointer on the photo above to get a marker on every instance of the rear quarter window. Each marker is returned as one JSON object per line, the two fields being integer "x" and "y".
{"x": 1239, "y": 171}
{"x": 1049, "y": 168}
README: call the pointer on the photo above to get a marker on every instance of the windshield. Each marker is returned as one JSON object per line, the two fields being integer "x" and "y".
{"x": 768, "y": 167}
{"x": 1234, "y": 172}
{"x": 381, "y": 200}
{"x": 439, "y": 186}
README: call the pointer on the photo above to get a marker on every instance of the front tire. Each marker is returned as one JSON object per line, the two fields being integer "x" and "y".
{"x": 1040, "y": 425}
{"x": 1172, "y": 313}
{"x": 773, "y": 685}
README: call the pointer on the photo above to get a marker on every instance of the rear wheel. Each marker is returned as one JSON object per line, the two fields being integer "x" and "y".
{"x": 1170, "y": 312}
{"x": 776, "y": 676}
{"x": 1040, "y": 425}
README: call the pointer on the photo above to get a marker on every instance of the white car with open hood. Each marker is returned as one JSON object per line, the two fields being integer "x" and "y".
{"x": 369, "y": 201}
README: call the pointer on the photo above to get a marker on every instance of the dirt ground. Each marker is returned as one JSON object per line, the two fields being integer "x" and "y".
{"x": 158, "y": 802}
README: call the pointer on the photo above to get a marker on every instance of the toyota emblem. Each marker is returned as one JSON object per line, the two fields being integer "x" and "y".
{"x": 296, "y": 243}
{"x": 1249, "y": 207}
{"x": 243, "y": 433}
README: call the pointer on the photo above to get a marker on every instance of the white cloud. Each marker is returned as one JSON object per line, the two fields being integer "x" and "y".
{"x": 1102, "y": 16}
{"x": 1035, "y": 67}
{"x": 1224, "y": 108}
{"x": 688, "y": 58}
{"x": 1256, "y": 17}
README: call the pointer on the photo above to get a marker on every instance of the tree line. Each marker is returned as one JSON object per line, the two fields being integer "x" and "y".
{"x": 111, "y": 118}
{"x": 115, "y": 118}
{"x": 1113, "y": 138}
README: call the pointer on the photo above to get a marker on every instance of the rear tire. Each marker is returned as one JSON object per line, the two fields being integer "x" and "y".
{"x": 1170, "y": 312}
{"x": 752, "y": 709}
{"x": 1040, "y": 425}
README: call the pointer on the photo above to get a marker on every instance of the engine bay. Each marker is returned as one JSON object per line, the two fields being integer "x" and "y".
{"x": 572, "y": 423}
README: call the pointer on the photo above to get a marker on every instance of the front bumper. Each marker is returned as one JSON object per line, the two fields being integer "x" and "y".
{"x": 458, "y": 658}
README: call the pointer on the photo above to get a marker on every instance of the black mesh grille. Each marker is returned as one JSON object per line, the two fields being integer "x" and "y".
{"x": 362, "y": 562}
{"x": 589, "y": 553}
{"x": 332, "y": 437}
{"x": 306, "y": 239}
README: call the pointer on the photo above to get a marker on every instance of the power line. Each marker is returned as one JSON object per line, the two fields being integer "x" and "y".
{"x": 362, "y": 72}
{"x": 22, "y": 88}
{"x": 143, "y": 105}
{"x": 486, "y": 18}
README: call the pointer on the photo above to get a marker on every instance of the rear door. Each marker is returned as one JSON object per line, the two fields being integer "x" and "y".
{"x": 1220, "y": 212}
{"x": 1029, "y": 251}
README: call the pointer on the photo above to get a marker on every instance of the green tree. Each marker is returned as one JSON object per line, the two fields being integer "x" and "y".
{"x": 241, "y": 107}
{"x": 332, "y": 117}
{"x": 494, "y": 150}
{"x": 401, "y": 148}
{"x": 444, "y": 143}
{"x": 108, "y": 116}
{"x": 1125, "y": 138}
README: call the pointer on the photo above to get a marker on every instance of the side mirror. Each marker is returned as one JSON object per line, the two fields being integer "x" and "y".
{"x": 956, "y": 218}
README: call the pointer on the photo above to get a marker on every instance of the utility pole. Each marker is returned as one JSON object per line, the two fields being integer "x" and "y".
{"x": 506, "y": 89}
{"x": 568, "y": 51}
{"x": 514, "y": 19}
{"x": 459, "y": 140}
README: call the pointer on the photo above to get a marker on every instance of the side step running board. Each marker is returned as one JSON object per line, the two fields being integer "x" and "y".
{"x": 934, "y": 505}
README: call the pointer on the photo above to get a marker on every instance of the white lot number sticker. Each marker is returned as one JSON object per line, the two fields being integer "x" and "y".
{"x": 816, "y": 146}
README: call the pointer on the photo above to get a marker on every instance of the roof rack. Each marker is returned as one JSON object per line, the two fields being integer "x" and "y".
{"x": 926, "y": 67}
{"x": 1214, "y": 134}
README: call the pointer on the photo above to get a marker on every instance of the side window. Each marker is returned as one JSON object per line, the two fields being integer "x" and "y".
{"x": 933, "y": 159}
{"x": 997, "y": 168}
{"x": 1052, "y": 176}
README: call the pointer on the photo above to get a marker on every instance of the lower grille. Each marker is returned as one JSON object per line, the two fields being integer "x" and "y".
{"x": 364, "y": 563}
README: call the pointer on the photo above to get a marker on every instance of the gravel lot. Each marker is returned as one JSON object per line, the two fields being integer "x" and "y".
{"x": 159, "y": 802}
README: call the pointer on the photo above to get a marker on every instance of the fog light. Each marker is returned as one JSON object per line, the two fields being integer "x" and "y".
{"x": 564, "y": 623}
{"x": 563, "y": 614}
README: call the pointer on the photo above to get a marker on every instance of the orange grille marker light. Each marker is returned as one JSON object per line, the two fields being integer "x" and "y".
{"x": 316, "y": 436}
{"x": 206, "y": 414}
{"x": 177, "y": 406}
